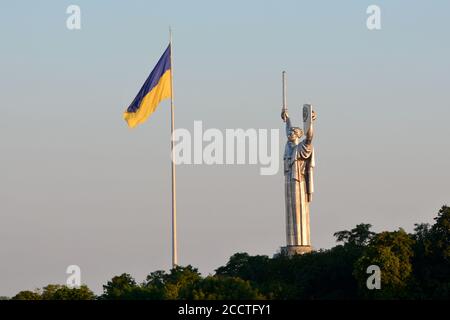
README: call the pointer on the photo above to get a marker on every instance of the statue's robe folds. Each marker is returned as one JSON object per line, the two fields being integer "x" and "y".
{"x": 298, "y": 171}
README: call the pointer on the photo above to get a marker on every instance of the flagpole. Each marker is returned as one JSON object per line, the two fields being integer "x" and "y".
{"x": 174, "y": 194}
{"x": 284, "y": 107}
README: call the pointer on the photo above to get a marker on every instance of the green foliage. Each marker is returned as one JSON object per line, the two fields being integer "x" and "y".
{"x": 413, "y": 266}
{"x": 57, "y": 292}
{"x": 179, "y": 279}
{"x": 392, "y": 252}
{"x": 440, "y": 235}
{"x": 318, "y": 275}
{"x": 27, "y": 295}
{"x": 244, "y": 266}
{"x": 324, "y": 275}
{"x": 358, "y": 236}
{"x": 121, "y": 287}
{"x": 221, "y": 288}
{"x": 173, "y": 285}
{"x": 432, "y": 258}
{"x": 260, "y": 271}
{"x": 157, "y": 286}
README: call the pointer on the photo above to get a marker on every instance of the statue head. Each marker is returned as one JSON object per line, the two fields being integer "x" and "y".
{"x": 295, "y": 134}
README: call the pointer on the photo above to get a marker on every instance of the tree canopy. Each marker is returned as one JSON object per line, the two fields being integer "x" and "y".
{"x": 412, "y": 266}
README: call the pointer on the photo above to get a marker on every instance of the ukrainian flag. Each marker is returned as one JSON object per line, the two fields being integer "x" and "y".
{"x": 156, "y": 88}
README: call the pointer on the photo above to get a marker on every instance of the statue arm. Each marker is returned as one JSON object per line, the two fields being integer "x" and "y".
{"x": 310, "y": 133}
{"x": 305, "y": 148}
{"x": 285, "y": 118}
{"x": 288, "y": 124}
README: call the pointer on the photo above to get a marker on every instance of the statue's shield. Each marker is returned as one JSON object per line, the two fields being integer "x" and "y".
{"x": 307, "y": 117}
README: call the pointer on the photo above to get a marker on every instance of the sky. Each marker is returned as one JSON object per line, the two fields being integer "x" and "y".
{"x": 78, "y": 187}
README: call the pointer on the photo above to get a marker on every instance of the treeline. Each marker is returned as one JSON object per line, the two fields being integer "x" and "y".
{"x": 413, "y": 266}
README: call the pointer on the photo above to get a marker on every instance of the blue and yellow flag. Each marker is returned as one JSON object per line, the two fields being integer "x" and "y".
{"x": 156, "y": 88}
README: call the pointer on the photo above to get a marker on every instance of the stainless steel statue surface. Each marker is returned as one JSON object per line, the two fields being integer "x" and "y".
{"x": 299, "y": 186}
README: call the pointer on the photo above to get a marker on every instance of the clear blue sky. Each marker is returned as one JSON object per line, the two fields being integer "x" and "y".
{"x": 78, "y": 187}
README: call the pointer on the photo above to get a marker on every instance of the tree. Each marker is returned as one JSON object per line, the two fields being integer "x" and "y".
{"x": 162, "y": 285}
{"x": 440, "y": 235}
{"x": 49, "y": 291}
{"x": 57, "y": 292}
{"x": 392, "y": 253}
{"x": 432, "y": 258}
{"x": 154, "y": 285}
{"x": 413, "y": 266}
{"x": 358, "y": 236}
{"x": 63, "y": 292}
{"x": 66, "y": 293}
{"x": 221, "y": 288}
{"x": 244, "y": 266}
{"x": 326, "y": 274}
{"x": 179, "y": 279}
{"x": 27, "y": 295}
{"x": 120, "y": 288}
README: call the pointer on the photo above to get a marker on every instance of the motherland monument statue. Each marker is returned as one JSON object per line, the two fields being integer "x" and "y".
{"x": 298, "y": 179}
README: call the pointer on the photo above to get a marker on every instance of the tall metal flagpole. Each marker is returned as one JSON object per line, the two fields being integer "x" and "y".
{"x": 284, "y": 107}
{"x": 174, "y": 194}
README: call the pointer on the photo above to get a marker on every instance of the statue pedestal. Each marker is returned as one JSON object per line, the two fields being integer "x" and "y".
{"x": 293, "y": 250}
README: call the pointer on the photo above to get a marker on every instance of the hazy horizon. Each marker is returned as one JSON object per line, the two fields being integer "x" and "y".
{"x": 79, "y": 187}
